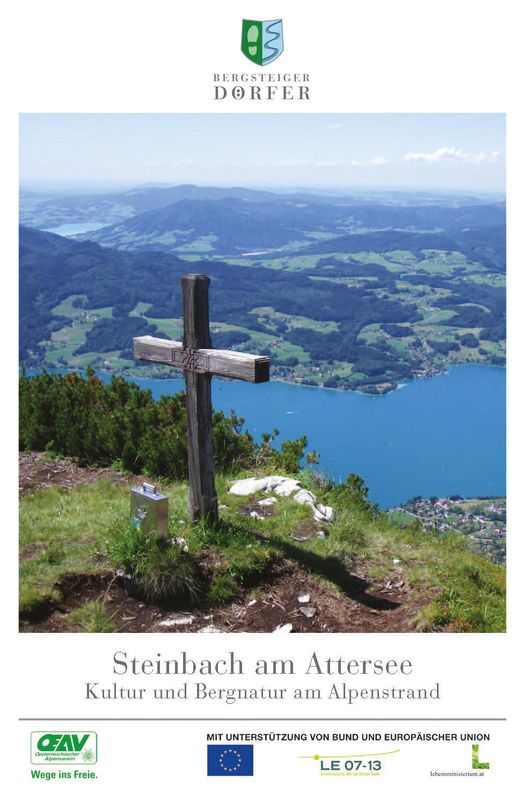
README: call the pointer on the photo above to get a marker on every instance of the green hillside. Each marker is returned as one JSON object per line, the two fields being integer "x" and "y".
{"x": 84, "y": 567}
{"x": 363, "y": 312}
{"x": 73, "y": 541}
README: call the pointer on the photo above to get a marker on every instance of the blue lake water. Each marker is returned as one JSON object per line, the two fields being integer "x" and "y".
{"x": 440, "y": 436}
{"x": 74, "y": 228}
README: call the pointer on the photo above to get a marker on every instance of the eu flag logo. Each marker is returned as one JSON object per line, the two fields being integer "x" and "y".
{"x": 236, "y": 760}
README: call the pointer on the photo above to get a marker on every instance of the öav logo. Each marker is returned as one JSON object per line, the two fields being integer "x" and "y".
{"x": 262, "y": 40}
{"x": 64, "y": 747}
{"x": 237, "y": 760}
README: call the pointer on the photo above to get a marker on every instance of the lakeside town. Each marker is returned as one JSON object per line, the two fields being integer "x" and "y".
{"x": 483, "y": 520}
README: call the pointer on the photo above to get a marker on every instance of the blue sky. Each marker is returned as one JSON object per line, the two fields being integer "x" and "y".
{"x": 455, "y": 152}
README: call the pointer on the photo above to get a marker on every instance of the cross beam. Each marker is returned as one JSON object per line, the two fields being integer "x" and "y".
{"x": 198, "y": 361}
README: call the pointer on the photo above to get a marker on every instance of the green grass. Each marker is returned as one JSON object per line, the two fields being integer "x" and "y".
{"x": 70, "y": 532}
{"x": 203, "y": 244}
{"x": 171, "y": 327}
{"x": 67, "y": 309}
{"x": 401, "y": 518}
{"x": 268, "y": 315}
{"x": 140, "y": 309}
{"x": 93, "y": 617}
{"x": 65, "y": 341}
{"x": 66, "y": 531}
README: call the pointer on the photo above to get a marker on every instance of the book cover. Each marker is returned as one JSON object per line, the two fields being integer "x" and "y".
{"x": 262, "y": 258}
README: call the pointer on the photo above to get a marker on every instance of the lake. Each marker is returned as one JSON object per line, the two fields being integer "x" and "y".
{"x": 440, "y": 436}
{"x": 74, "y": 228}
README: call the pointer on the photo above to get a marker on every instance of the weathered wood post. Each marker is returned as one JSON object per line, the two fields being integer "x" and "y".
{"x": 195, "y": 306}
{"x": 198, "y": 360}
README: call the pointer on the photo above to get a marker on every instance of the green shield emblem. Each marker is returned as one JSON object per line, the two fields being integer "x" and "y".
{"x": 262, "y": 40}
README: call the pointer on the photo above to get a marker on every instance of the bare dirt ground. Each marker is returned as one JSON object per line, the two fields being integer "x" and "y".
{"x": 273, "y": 604}
{"x": 360, "y": 606}
{"x": 37, "y": 471}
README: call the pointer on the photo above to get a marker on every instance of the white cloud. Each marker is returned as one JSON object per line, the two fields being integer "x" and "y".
{"x": 378, "y": 161}
{"x": 325, "y": 164}
{"x": 454, "y": 154}
{"x": 335, "y": 126}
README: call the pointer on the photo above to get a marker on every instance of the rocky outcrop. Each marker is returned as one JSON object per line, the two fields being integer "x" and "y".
{"x": 283, "y": 487}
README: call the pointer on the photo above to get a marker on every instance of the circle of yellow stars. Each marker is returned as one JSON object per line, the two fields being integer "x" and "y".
{"x": 234, "y": 752}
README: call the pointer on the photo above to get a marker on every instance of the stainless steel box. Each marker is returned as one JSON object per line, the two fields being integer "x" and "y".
{"x": 149, "y": 510}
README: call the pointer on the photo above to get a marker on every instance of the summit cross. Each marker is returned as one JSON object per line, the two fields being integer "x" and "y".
{"x": 199, "y": 362}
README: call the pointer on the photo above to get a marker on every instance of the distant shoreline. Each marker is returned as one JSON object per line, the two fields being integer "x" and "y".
{"x": 178, "y": 375}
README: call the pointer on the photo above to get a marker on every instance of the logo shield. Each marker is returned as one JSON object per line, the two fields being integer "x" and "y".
{"x": 262, "y": 40}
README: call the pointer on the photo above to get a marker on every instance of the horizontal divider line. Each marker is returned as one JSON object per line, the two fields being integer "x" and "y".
{"x": 262, "y": 719}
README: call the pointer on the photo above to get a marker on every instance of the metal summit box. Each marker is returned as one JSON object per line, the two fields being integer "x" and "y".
{"x": 149, "y": 509}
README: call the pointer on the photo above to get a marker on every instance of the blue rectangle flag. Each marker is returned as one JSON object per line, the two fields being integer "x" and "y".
{"x": 234, "y": 760}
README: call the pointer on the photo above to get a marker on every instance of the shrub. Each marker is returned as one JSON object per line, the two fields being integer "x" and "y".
{"x": 353, "y": 494}
{"x": 119, "y": 422}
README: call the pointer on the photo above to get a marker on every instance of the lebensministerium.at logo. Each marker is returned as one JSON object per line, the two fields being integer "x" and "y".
{"x": 262, "y": 40}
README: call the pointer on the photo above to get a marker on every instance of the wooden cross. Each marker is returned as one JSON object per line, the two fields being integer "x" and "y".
{"x": 199, "y": 362}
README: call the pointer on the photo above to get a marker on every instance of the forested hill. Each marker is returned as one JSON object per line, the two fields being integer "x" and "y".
{"x": 371, "y": 209}
{"x": 339, "y": 319}
{"x": 230, "y": 225}
{"x": 37, "y": 210}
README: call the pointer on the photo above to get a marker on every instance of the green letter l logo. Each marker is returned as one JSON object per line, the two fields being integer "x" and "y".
{"x": 476, "y": 763}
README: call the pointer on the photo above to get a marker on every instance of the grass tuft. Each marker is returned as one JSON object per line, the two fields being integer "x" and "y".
{"x": 93, "y": 617}
{"x": 168, "y": 576}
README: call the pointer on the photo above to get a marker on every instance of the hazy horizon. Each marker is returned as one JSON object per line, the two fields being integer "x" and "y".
{"x": 434, "y": 153}
{"x": 101, "y": 187}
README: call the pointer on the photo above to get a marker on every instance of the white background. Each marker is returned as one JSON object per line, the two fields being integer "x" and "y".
{"x": 379, "y": 56}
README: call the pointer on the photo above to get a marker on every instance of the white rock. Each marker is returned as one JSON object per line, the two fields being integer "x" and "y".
{"x": 268, "y": 501}
{"x": 185, "y": 619}
{"x": 209, "y": 629}
{"x": 287, "y": 488}
{"x": 396, "y": 561}
{"x": 275, "y": 480}
{"x": 286, "y": 628}
{"x": 252, "y": 602}
{"x": 222, "y": 507}
{"x": 255, "y": 515}
{"x": 248, "y": 486}
{"x": 321, "y": 535}
{"x": 323, "y": 513}
{"x": 308, "y": 611}
{"x": 305, "y": 498}
{"x": 303, "y": 598}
